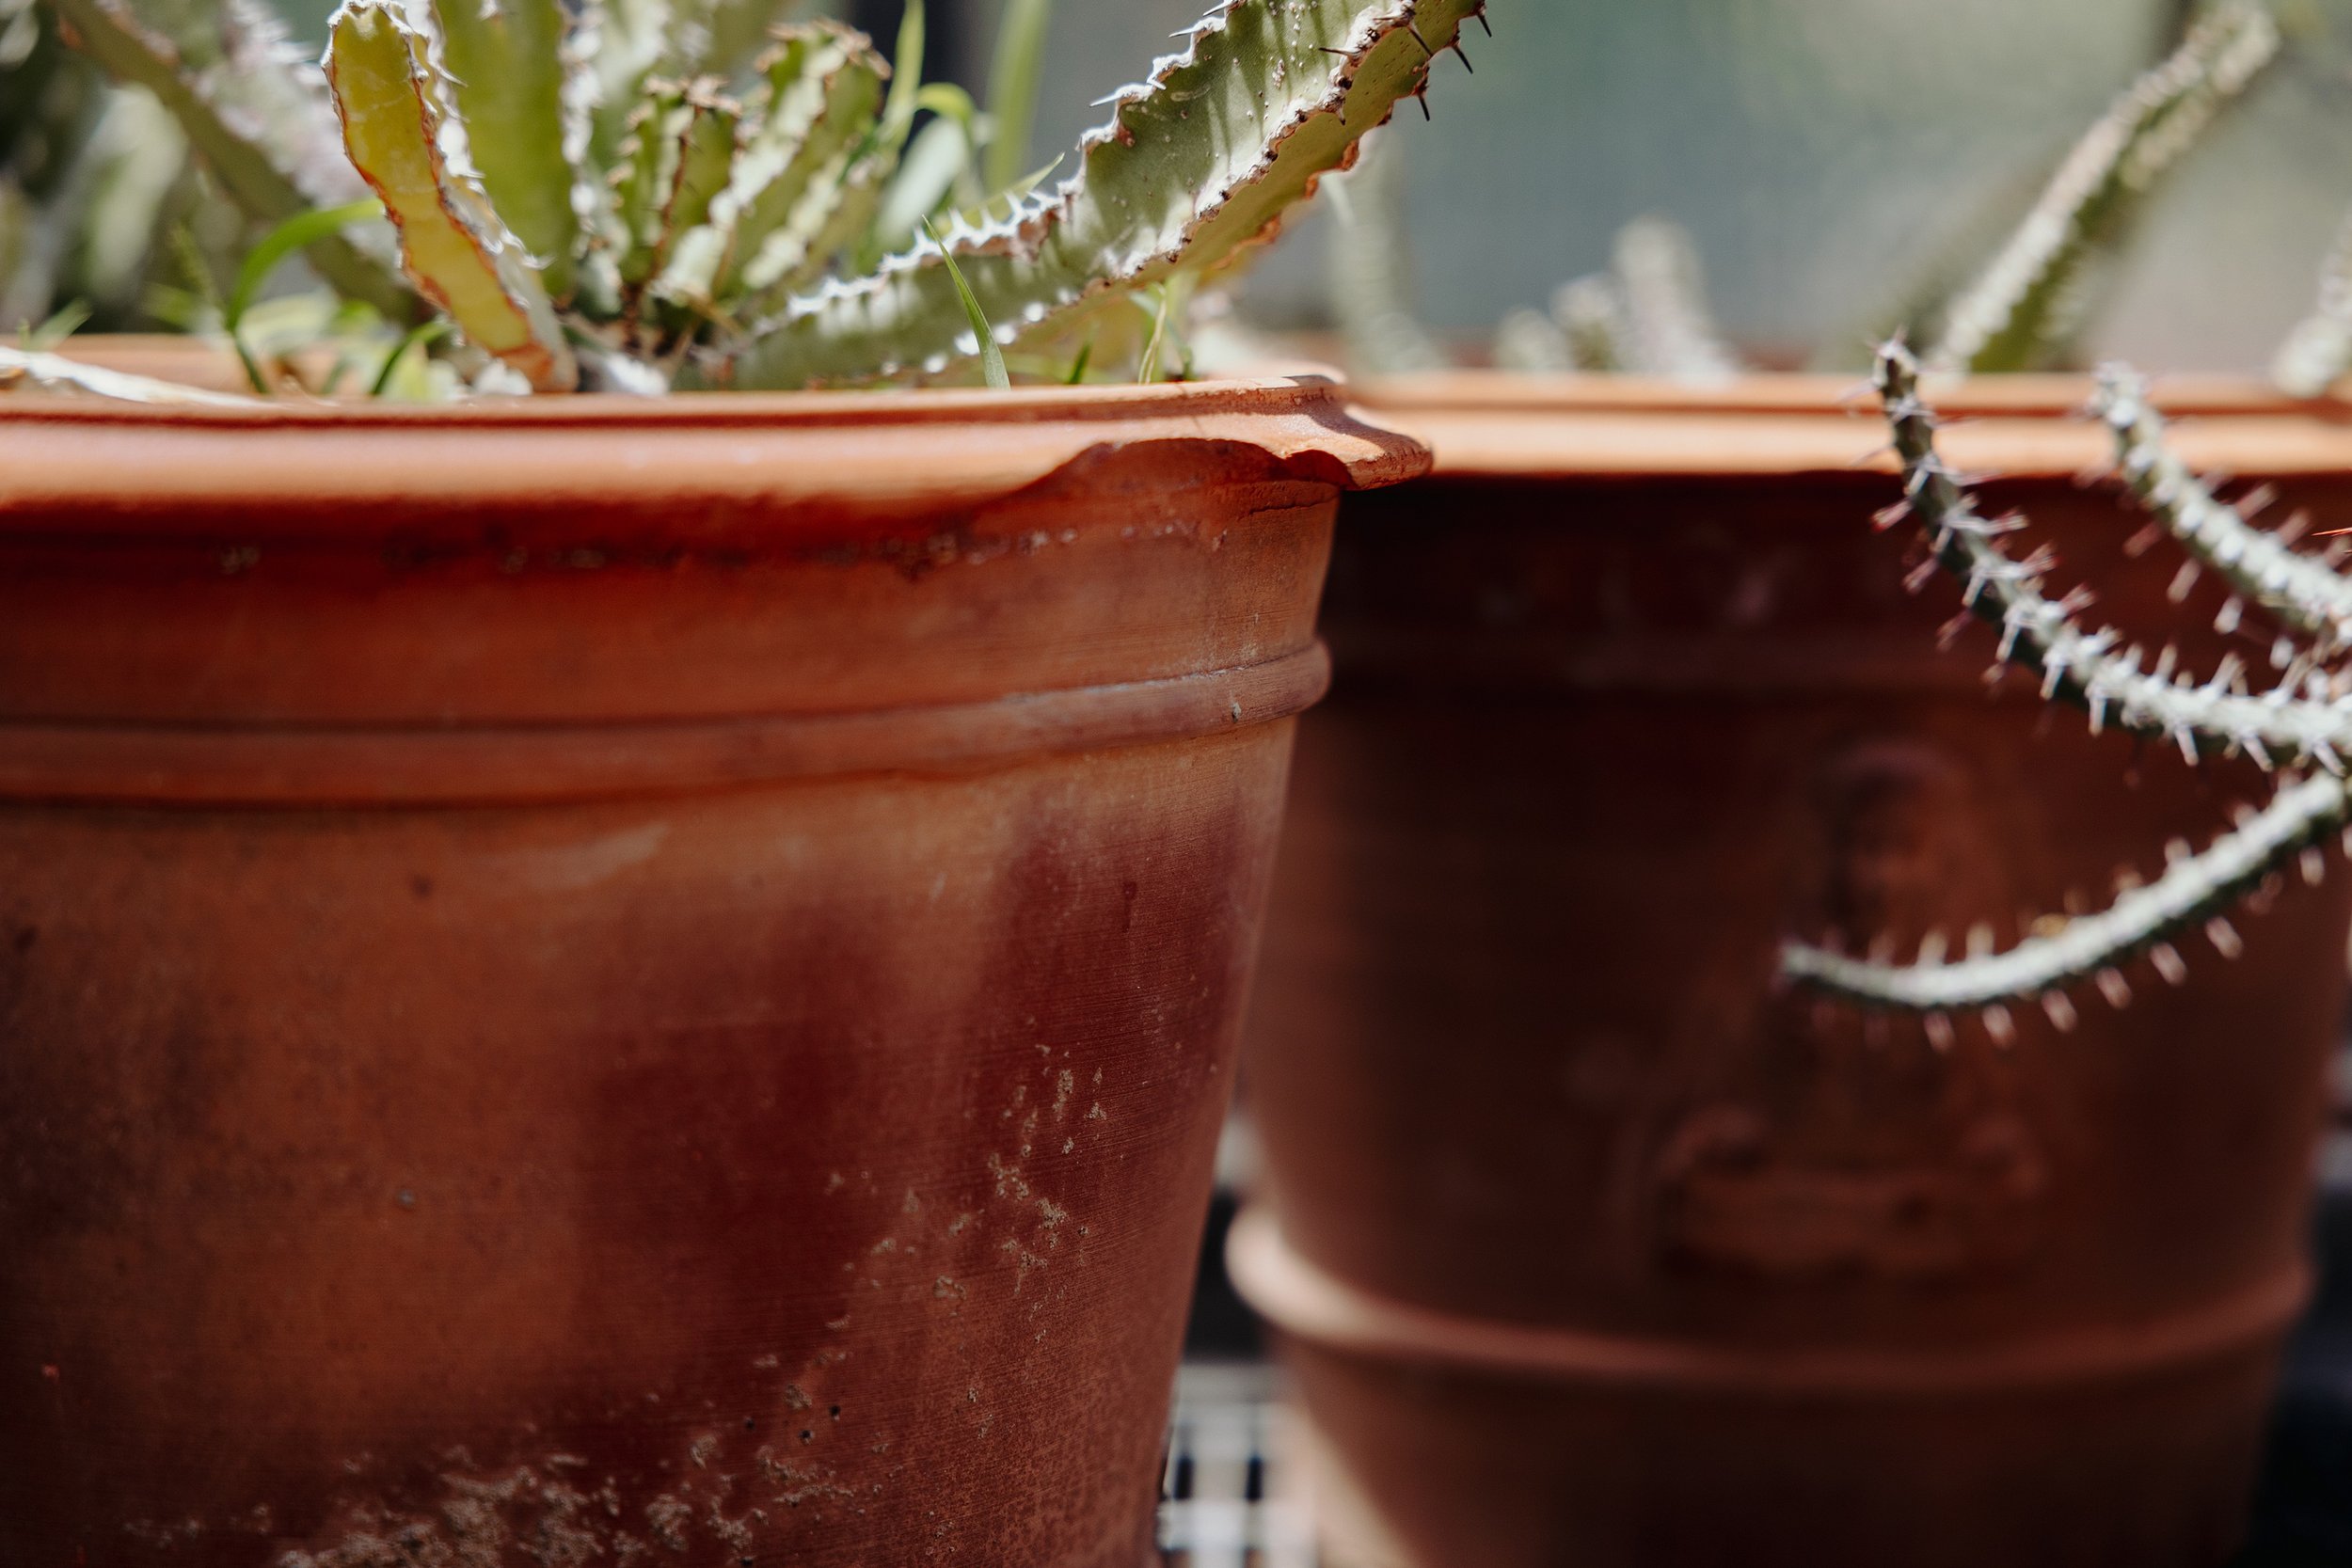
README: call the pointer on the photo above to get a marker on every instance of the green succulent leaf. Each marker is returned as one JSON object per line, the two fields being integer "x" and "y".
{"x": 393, "y": 106}
{"x": 677, "y": 160}
{"x": 627, "y": 43}
{"x": 1198, "y": 163}
{"x": 505, "y": 61}
{"x": 992, "y": 368}
{"x": 821, "y": 94}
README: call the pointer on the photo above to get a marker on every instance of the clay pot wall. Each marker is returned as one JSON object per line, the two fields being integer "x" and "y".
{"x": 1589, "y": 1246}
{"x": 606, "y": 982}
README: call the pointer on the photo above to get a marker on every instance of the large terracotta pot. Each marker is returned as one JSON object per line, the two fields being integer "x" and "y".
{"x": 603, "y": 982}
{"x": 1588, "y": 1246}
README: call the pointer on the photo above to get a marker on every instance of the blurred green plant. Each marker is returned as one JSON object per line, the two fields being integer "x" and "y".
{"x": 91, "y": 177}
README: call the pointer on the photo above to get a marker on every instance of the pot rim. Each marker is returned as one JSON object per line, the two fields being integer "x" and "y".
{"x": 1307, "y": 1303}
{"x": 1502, "y": 426}
{"x": 90, "y": 468}
{"x": 85, "y": 467}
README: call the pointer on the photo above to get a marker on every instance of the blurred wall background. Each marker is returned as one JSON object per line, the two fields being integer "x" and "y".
{"x": 1823, "y": 154}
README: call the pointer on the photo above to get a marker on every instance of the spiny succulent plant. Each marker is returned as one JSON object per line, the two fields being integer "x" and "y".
{"x": 2303, "y": 722}
{"x": 641, "y": 194}
{"x": 2027, "y": 306}
{"x": 1648, "y": 313}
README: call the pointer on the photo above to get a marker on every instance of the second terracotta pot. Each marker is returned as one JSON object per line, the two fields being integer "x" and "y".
{"x": 1588, "y": 1245}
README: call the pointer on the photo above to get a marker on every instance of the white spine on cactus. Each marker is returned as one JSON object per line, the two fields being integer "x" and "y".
{"x": 2303, "y": 593}
{"x": 2192, "y": 892}
{"x": 2220, "y": 714}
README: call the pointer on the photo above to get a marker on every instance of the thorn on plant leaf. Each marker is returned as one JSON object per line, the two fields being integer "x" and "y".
{"x": 2224, "y": 938}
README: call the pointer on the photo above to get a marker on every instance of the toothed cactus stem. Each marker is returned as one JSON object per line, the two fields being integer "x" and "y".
{"x": 505, "y": 61}
{"x": 452, "y": 243}
{"x": 2085, "y": 667}
{"x": 2193, "y": 893}
{"x": 2303, "y": 593}
{"x": 1198, "y": 163}
{"x": 2032, "y": 296}
{"x": 623, "y": 43}
{"x": 821, "y": 95}
{"x": 677, "y": 160}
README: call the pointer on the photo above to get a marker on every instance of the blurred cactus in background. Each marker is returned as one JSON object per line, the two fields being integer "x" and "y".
{"x": 2025, "y": 310}
{"x": 649, "y": 193}
{"x": 2301, "y": 719}
{"x": 92, "y": 178}
{"x": 1648, "y": 315}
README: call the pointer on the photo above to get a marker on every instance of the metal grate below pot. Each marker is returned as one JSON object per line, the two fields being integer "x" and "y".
{"x": 1228, "y": 1499}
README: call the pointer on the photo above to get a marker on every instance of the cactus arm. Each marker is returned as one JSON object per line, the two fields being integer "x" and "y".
{"x": 2319, "y": 349}
{"x": 2193, "y": 892}
{"x": 623, "y": 42}
{"x": 719, "y": 37}
{"x": 839, "y": 211}
{"x": 23, "y": 369}
{"x": 2302, "y": 592}
{"x": 628, "y": 43}
{"x": 1669, "y": 330}
{"x": 1197, "y": 164}
{"x": 2084, "y": 667}
{"x": 2031, "y": 295}
{"x": 451, "y": 242}
{"x": 823, "y": 92}
{"x": 505, "y": 61}
{"x": 258, "y": 117}
{"x": 676, "y": 162}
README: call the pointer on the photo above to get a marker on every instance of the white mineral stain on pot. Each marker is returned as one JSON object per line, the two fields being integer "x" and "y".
{"x": 576, "y": 867}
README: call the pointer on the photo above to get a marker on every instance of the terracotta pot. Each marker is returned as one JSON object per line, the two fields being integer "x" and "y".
{"x": 1591, "y": 1249}
{"x": 606, "y": 982}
